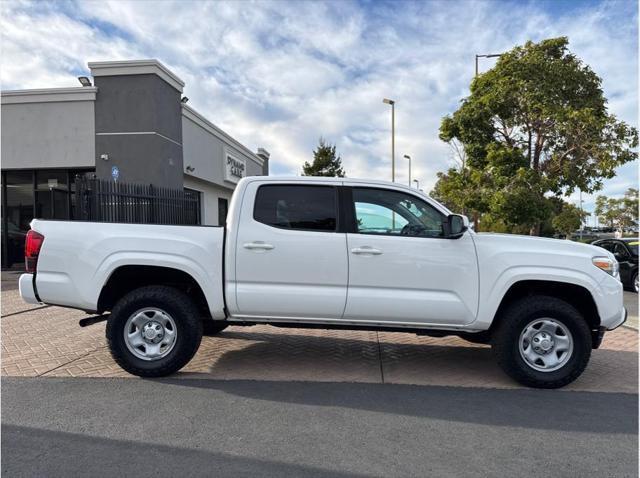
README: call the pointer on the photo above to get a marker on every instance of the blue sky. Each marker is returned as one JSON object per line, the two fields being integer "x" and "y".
{"x": 279, "y": 75}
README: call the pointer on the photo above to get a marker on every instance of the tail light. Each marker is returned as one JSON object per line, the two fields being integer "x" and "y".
{"x": 32, "y": 246}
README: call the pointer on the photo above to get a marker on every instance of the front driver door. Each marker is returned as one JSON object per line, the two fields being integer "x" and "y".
{"x": 401, "y": 268}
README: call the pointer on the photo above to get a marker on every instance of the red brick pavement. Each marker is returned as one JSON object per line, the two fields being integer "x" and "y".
{"x": 48, "y": 342}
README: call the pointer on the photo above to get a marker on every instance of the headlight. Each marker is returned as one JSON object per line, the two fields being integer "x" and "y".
{"x": 610, "y": 266}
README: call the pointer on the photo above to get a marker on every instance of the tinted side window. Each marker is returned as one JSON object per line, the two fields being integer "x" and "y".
{"x": 620, "y": 250}
{"x": 381, "y": 211}
{"x": 310, "y": 208}
{"x": 606, "y": 245}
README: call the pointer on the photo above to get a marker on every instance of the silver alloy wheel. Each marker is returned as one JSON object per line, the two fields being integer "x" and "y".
{"x": 150, "y": 333}
{"x": 635, "y": 283}
{"x": 546, "y": 345}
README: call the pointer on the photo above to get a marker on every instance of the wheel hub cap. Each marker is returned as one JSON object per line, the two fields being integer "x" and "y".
{"x": 152, "y": 331}
{"x": 542, "y": 343}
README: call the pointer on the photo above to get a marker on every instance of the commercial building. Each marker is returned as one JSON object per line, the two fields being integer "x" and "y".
{"x": 132, "y": 125}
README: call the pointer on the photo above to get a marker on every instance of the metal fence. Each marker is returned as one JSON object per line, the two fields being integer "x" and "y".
{"x": 106, "y": 201}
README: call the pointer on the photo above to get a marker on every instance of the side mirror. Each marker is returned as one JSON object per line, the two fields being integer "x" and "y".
{"x": 455, "y": 226}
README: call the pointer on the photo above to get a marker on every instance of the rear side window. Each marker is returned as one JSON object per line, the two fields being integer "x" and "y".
{"x": 308, "y": 208}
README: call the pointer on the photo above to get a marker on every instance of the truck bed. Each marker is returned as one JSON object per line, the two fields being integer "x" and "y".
{"x": 79, "y": 257}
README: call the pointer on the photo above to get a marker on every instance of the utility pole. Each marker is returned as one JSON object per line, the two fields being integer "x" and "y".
{"x": 490, "y": 55}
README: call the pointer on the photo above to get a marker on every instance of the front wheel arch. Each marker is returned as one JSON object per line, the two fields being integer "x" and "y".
{"x": 577, "y": 296}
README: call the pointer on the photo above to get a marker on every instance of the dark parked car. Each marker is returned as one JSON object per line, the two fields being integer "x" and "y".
{"x": 626, "y": 252}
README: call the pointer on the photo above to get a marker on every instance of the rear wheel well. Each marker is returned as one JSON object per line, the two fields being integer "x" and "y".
{"x": 127, "y": 278}
{"x": 575, "y": 295}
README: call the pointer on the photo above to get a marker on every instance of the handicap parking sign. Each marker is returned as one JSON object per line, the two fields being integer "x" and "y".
{"x": 115, "y": 173}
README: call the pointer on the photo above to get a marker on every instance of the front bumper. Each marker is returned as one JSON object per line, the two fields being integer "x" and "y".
{"x": 621, "y": 320}
{"x": 598, "y": 334}
{"x": 27, "y": 291}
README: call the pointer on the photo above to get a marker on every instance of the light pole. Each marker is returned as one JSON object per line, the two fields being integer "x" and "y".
{"x": 492, "y": 55}
{"x": 581, "y": 215}
{"x": 409, "y": 158}
{"x": 393, "y": 137}
{"x": 417, "y": 183}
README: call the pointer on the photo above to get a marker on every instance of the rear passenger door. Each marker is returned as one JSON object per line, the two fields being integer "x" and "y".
{"x": 291, "y": 261}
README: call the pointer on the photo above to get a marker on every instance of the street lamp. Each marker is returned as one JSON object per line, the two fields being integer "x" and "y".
{"x": 417, "y": 183}
{"x": 581, "y": 215}
{"x": 492, "y": 55}
{"x": 393, "y": 137}
{"x": 409, "y": 158}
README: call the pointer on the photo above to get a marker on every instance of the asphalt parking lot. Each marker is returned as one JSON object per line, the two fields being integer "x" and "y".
{"x": 183, "y": 427}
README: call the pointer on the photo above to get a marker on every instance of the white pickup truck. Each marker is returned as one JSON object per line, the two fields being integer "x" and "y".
{"x": 336, "y": 254}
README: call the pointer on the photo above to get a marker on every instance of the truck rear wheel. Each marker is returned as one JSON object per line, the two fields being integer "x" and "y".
{"x": 542, "y": 342}
{"x": 154, "y": 331}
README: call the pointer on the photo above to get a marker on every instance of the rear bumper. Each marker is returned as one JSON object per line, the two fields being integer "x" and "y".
{"x": 27, "y": 291}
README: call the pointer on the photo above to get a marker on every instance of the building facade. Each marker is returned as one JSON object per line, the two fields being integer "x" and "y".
{"x": 132, "y": 125}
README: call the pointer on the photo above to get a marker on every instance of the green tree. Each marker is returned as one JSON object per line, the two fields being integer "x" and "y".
{"x": 568, "y": 220}
{"x": 533, "y": 127}
{"x": 628, "y": 216}
{"x": 605, "y": 210}
{"x": 618, "y": 212}
{"x": 325, "y": 162}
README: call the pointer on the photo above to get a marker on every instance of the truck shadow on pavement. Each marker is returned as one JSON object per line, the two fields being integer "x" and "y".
{"x": 531, "y": 409}
{"x": 303, "y": 355}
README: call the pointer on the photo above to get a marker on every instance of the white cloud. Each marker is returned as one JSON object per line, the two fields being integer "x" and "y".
{"x": 280, "y": 75}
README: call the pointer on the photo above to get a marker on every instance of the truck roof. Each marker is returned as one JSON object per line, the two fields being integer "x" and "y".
{"x": 326, "y": 179}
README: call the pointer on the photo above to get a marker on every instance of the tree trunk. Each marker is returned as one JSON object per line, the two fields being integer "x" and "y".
{"x": 535, "y": 230}
{"x": 475, "y": 222}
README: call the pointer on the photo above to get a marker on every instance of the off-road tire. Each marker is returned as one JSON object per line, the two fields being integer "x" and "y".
{"x": 513, "y": 320}
{"x": 212, "y": 327}
{"x": 188, "y": 324}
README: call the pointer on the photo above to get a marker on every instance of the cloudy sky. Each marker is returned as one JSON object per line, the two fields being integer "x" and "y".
{"x": 279, "y": 75}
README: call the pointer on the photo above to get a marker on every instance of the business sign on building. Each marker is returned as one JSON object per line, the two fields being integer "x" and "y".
{"x": 235, "y": 168}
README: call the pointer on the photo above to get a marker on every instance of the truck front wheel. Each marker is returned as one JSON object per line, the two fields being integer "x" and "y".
{"x": 154, "y": 331}
{"x": 542, "y": 342}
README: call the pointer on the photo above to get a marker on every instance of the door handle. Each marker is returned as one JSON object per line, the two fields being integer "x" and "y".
{"x": 258, "y": 245}
{"x": 366, "y": 250}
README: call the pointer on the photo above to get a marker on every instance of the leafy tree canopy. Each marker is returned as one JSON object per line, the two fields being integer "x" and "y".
{"x": 534, "y": 126}
{"x": 618, "y": 212}
{"x": 568, "y": 220}
{"x": 325, "y": 162}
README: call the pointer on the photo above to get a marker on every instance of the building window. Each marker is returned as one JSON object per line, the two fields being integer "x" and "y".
{"x": 309, "y": 208}
{"x": 223, "y": 208}
{"x": 29, "y": 194}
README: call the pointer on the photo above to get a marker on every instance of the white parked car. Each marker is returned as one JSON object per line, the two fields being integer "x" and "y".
{"x": 330, "y": 253}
